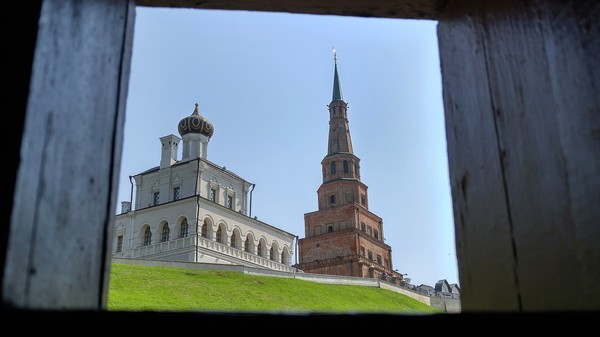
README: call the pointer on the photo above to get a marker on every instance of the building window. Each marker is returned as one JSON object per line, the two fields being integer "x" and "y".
{"x": 233, "y": 240}
{"x": 271, "y": 254}
{"x": 363, "y": 200}
{"x": 376, "y": 234}
{"x": 282, "y": 258}
{"x": 229, "y": 202}
{"x": 370, "y": 255}
{"x": 176, "y": 194}
{"x": 362, "y": 251}
{"x": 369, "y": 230}
{"x": 259, "y": 249}
{"x": 332, "y": 167}
{"x": 247, "y": 245}
{"x": 120, "y": 243}
{"x": 165, "y": 233}
{"x": 156, "y": 198}
{"x": 387, "y": 263}
{"x": 212, "y": 195}
{"x": 332, "y": 199}
{"x": 329, "y": 228}
{"x": 219, "y": 233}
{"x": 345, "y": 166}
{"x": 184, "y": 229}
{"x": 363, "y": 227}
{"x": 379, "y": 259}
{"x": 204, "y": 231}
{"x": 147, "y": 237}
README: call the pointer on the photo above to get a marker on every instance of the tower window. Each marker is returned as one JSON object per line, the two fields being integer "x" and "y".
{"x": 363, "y": 227}
{"x": 370, "y": 255}
{"x": 156, "y": 198}
{"x": 176, "y": 194}
{"x": 345, "y": 166}
{"x": 329, "y": 228}
{"x": 332, "y": 199}
{"x": 376, "y": 234}
{"x": 332, "y": 167}
{"x": 363, "y": 200}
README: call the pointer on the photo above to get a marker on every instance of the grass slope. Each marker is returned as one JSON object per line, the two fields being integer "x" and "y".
{"x": 144, "y": 288}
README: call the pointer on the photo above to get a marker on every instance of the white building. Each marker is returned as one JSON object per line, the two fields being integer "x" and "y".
{"x": 193, "y": 210}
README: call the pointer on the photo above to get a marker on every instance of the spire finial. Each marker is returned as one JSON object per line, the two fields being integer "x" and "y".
{"x": 334, "y": 55}
{"x": 196, "y": 109}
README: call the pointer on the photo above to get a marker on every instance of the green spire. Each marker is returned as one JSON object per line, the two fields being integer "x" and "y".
{"x": 337, "y": 89}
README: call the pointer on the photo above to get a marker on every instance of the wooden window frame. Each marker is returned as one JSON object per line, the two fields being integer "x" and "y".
{"x": 498, "y": 96}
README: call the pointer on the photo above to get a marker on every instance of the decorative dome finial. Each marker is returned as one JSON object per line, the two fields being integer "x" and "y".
{"x": 195, "y": 123}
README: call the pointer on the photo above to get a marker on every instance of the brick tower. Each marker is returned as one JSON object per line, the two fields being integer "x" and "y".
{"x": 343, "y": 237}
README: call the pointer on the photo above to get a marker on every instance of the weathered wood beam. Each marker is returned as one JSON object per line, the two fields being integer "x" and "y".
{"x": 404, "y": 9}
{"x": 61, "y": 223}
{"x": 521, "y": 83}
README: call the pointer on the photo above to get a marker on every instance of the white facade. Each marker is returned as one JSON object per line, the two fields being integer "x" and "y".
{"x": 192, "y": 210}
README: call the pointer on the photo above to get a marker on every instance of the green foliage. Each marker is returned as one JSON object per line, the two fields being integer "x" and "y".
{"x": 144, "y": 288}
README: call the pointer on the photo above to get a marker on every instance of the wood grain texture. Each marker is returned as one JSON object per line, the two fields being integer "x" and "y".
{"x": 541, "y": 68}
{"x": 405, "y": 9}
{"x": 481, "y": 217}
{"x": 56, "y": 257}
{"x": 572, "y": 43}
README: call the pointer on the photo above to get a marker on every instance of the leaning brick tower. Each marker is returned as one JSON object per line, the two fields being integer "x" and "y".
{"x": 343, "y": 237}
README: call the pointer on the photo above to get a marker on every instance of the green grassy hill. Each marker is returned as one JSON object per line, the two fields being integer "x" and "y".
{"x": 144, "y": 288}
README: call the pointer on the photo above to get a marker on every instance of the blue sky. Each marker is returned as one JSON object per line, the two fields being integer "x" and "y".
{"x": 265, "y": 79}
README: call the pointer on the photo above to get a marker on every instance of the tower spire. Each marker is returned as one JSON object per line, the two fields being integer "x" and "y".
{"x": 339, "y": 131}
{"x": 337, "y": 89}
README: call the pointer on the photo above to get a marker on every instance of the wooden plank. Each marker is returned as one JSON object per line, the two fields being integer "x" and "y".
{"x": 541, "y": 68}
{"x": 117, "y": 147}
{"x": 405, "y": 9}
{"x": 536, "y": 158}
{"x": 72, "y": 140}
{"x": 572, "y": 43}
{"x": 482, "y": 222}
